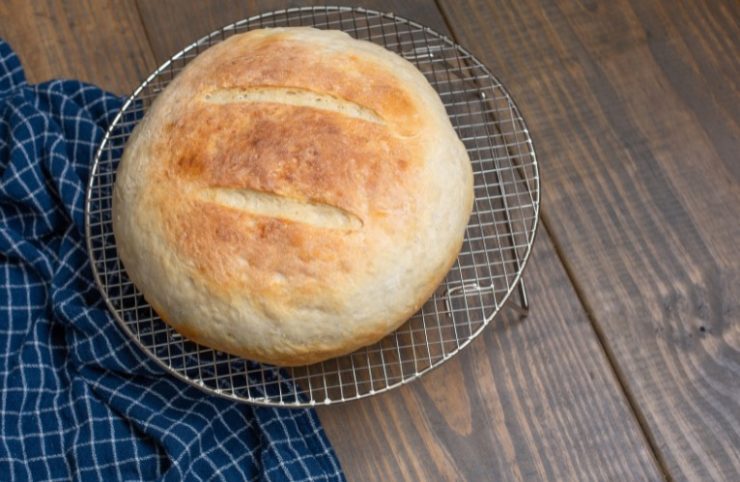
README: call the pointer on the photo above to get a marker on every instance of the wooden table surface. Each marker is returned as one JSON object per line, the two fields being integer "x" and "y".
{"x": 628, "y": 366}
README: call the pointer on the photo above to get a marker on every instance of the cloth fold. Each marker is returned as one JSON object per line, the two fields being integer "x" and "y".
{"x": 78, "y": 400}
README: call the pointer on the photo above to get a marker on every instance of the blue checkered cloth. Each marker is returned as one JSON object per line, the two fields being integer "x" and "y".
{"x": 79, "y": 401}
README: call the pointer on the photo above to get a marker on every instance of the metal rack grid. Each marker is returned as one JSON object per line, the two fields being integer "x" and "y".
{"x": 498, "y": 240}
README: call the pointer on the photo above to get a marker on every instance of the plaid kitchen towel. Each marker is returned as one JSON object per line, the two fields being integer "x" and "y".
{"x": 79, "y": 401}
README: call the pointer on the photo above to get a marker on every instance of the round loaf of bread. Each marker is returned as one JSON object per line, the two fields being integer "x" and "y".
{"x": 293, "y": 195}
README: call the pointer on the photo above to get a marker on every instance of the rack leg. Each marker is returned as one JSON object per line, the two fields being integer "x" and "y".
{"x": 523, "y": 307}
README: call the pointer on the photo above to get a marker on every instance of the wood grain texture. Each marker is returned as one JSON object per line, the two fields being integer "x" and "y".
{"x": 188, "y": 21}
{"x": 529, "y": 400}
{"x": 634, "y": 109}
{"x": 101, "y": 42}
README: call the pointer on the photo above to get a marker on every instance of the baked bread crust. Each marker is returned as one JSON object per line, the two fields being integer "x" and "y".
{"x": 293, "y": 195}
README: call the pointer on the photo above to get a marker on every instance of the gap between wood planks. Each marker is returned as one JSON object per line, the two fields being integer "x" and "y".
{"x": 146, "y": 31}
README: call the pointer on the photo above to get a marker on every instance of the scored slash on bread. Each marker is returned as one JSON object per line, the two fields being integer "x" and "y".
{"x": 281, "y": 207}
{"x": 294, "y": 97}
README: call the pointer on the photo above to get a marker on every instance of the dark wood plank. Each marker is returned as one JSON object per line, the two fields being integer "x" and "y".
{"x": 635, "y": 112}
{"x": 101, "y": 42}
{"x": 186, "y": 23}
{"x": 528, "y": 400}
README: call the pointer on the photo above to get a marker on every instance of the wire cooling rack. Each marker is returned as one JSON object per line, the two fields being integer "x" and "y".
{"x": 498, "y": 240}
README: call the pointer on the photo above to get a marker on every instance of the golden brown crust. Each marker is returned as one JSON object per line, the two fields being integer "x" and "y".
{"x": 336, "y": 161}
{"x": 292, "y": 195}
{"x": 284, "y": 59}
